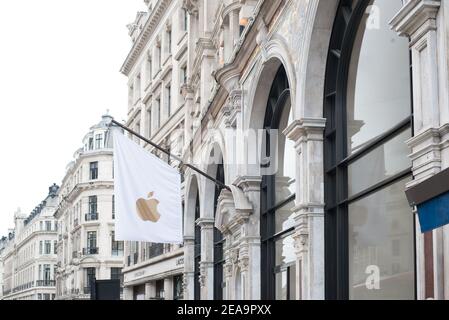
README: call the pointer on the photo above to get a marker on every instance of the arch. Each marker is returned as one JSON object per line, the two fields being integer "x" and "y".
{"x": 320, "y": 16}
{"x": 276, "y": 54}
{"x": 192, "y": 189}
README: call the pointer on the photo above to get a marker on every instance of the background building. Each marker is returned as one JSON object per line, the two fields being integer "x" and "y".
{"x": 157, "y": 69}
{"x": 86, "y": 245}
{"x": 29, "y": 256}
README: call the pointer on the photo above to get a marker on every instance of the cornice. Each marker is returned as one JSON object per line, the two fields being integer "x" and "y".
{"x": 147, "y": 31}
{"x": 416, "y": 18}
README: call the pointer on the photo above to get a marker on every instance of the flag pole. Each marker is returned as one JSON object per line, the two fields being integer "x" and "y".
{"x": 181, "y": 162}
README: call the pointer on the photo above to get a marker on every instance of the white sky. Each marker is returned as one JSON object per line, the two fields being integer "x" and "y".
{"x": 59, "y": 72}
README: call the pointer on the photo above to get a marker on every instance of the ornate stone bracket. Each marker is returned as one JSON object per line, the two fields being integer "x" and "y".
{"x": 191, "y": 6}
{"x": 233, "y": 210}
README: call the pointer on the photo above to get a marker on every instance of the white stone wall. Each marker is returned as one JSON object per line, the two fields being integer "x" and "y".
{"x": 73, "y": 225}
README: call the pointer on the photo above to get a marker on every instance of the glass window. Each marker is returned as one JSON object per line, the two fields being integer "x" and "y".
{"x": 116, "y": 246}
{"x": 98, "y": 141}
{"x": 177, "y": 287}
{"x": 381, "y": 241}
{"x": 89, "y": 279}
{"x": 168, "y": 97}
{"x": 93, "y": 170}
{"x": 284, "y": 217}
{"x": 382, "y": 163}
{"x": 47, "y": 247}
{"x": 378, "y": 94}
{"x": 91, "y": 239}
{"x": 160, "y": 294}
{"x": 92, "y": 204}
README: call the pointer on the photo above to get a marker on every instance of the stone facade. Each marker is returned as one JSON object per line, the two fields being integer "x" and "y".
{"x": 233, "y": 51}
{"x": 28, "y": 254}
{"x": 157, "y": 70}
{"x": 86, "y": 246}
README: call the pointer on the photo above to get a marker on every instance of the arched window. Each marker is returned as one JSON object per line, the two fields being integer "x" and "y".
{"x": 277, "y": 196}
{"x": 369, "y": 231}
{"x": 197, "y": 251}
{"x": 218, "y": 240}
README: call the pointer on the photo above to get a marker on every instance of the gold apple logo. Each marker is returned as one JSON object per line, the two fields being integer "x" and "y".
{"x": 147, "y": 209}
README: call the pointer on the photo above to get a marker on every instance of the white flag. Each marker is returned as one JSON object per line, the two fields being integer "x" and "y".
{"x": 147, "y": 195}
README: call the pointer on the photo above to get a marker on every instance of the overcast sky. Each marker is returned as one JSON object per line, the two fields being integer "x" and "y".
{"x": 59, "y": 72}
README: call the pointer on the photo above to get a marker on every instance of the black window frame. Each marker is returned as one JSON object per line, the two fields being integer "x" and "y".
{"x": 197, "y": 251}
{"x": 349, "y": 16}
{"x": 278, "y": 96}
{"x": 219, "y": 240}
{"x": 93, "y": 170}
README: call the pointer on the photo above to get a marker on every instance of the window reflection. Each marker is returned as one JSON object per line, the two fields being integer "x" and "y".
{"x": 378, "y": 95}
{"x": 381, "y": 236}
{"x": 380, "y": 164}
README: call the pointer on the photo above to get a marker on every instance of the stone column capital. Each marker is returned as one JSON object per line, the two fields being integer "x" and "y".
{"x": 416, "y": 18}
{"x": 205, "y": 223}
{"x": 305, "y": 129}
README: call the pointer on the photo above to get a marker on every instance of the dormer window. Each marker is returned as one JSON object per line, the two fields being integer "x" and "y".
{"x": 98, "y": 141}
{"x": 91, "y": 143}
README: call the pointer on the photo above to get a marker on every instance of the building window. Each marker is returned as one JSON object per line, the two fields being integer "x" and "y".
{"x": 149, "y": 68}
{"x": 55, "y": 246}
{"x": 116, "y": 246}
{"x": 130, "y": 96}
{"x": 368, "y": 109}
{"x": 113, "y": 206}
{"x": 158, "y": 113}
{"x": 92, "y": 215}
{"x": 135, "y": 245}
{"x": 277, "y": 197}
{"x": 184, "y": 19}
{"x": 137, "y": 89}
{"x": 116, "y": 274}
{"x": 168, "y": 97}
{"x": 197, "y": 251}
{"x": 47, "y": 225}
{"x": 41, "y": 246}
{"x": 91, "y": 143}
{"x": 218, "y": 240}
{"x": 183, "y": 77}
{"x": 89, "y": 279}
{"x": 91, "y": 243}
{"x": 98, "y": 141}
{"x": 148, "y": 122}
{"x": 93, "y": 172}
{"x": 168, "y": 39}
{"x": 46, "y": 276}
{"x": 47, "y": 247}
{"x": 160, "y": 294}
{"x": 159, "y": 56}
{"x": 177, "y": 287}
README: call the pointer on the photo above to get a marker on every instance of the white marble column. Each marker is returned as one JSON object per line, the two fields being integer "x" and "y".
{"x": 418, "y": 20}
{"x": 150, "y": 290}
{"x": 188, "y": 282}
{"x": 128, "y": 293}
{"x": 307, "y": 134}
{"x": 207, "y": 258}
{"x": 168, "y": 288}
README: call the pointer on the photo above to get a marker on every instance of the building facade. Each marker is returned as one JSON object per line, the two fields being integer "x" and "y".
{"x": 318, "y": 115}
{"x": 86, "y": 247}
{"x": 28, "y": 258}
{"x": 157, "y": 70}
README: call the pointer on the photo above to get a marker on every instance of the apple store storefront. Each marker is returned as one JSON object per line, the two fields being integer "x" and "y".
{"x": 366, "y": 246}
